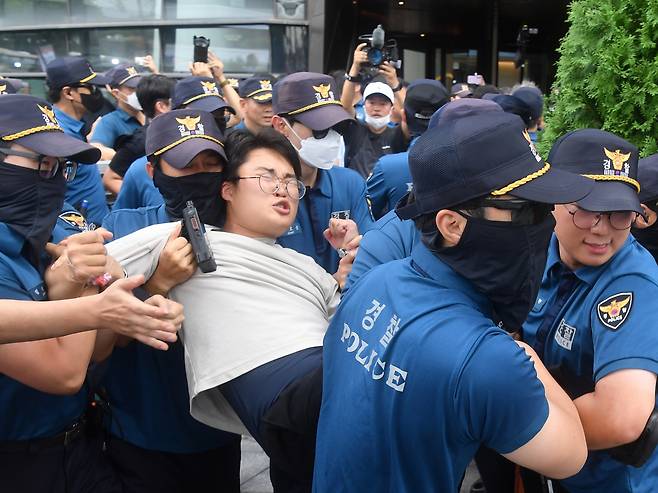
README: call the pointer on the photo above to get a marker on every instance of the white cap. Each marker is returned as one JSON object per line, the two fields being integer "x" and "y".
{"x": 379, "y": 88}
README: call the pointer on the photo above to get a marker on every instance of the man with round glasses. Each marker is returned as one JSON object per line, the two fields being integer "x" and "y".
{"x": 255, "y": 325}
{"x": 594, "y": 322}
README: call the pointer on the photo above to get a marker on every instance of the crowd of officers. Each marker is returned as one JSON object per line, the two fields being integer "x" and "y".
{"x": 478, "y": 300}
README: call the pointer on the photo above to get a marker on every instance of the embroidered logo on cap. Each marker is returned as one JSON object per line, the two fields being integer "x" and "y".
{"x": 616, "y": 164}
{"x": 3, "y": 89}
{"x": 210, "y": 88}
{"x": 531, "y": 144}
{"x": 233, "y": 82}
{"x": 323, "y": 93}
{"x": 190, "y": 125}
{"x": 266, "y": 84}
{"x": 131, "y": 71}
{"x": 614, "y": 311}
{"x": 48, "y": 116}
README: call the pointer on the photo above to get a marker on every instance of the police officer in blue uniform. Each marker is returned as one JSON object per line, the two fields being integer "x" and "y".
{"x": 127, "y": 118}
{"x": 255, "y": 103}
{"x": 594, "y": 323}
{"x": 156, "y": 446}
{"x": 43, "y": 442}
{"x": 73, "y": 92}
{"x": 308, "y": 114}
{"x": 390, "y": 179}
{"x": 392, "y": 238}
{"x": 416, "y": 373}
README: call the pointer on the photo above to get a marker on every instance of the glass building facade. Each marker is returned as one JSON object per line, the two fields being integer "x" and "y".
{"x": 249, "y": 36}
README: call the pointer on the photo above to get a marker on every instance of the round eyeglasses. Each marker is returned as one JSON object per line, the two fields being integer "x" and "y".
{"x": 584, "y": 219}
{"x": 48, "y": 165}
{"x": 271, "y": 184}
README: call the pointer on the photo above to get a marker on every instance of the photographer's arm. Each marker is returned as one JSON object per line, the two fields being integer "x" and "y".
{"x": 347, "y": 96}
{"x": 231, "y": 96}
{"x": 388, "y": 71}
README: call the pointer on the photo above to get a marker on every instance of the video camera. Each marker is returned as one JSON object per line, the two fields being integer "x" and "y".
{"x": 379, "y": 50}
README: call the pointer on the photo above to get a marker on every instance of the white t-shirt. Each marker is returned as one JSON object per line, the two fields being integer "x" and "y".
{"x": 262, "y": 303}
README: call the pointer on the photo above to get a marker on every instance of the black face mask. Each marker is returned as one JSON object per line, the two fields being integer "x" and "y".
{"x": 201, "y": 188}
{"x": 30, "y": 205}
{"x": 648, "y": 238}
{"x": 92, "y": 102}
{"x": 504, "y": 261}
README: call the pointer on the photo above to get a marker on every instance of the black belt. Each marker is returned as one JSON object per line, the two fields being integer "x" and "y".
{"x": 63, "y": 439}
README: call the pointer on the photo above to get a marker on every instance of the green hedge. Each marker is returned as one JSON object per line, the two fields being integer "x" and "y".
{"x": 607, "y": 74}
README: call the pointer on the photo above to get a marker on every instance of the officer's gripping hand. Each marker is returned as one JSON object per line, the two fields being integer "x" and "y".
{"x": 340, "y": 232}
{"x": 153, "y": 322}
{"x": 347, "y": 261}
{"x": 175, "y": 265}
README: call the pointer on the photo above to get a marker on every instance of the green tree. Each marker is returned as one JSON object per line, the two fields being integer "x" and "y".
{"x": 607, "y": 74}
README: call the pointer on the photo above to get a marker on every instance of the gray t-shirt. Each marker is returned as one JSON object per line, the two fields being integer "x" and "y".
{"x": 262, "y": 303}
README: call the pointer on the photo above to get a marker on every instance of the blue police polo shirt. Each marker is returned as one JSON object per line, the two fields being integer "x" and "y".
{"x": 26, "y": 412}
{"x": 390, "y": 238}
{"x": 112, "y": 125}
{"x": 147, "y": 388}
{"x": 338, "y": 193}
{"x": 608, "y": 323}
{"x": 87, "y": 184}
{"x": 416, "y": 378}
{"x": 137, "y": 189}
{"x": 389, "y": 181}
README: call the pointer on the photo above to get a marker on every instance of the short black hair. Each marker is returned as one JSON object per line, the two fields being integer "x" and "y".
{"x": 154, "y": 88}
{"x": 240, "y": 143}
{"x": 53, "y": 94}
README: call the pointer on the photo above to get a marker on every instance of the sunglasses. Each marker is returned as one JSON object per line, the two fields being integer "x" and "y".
{"x": 48, "y": 165}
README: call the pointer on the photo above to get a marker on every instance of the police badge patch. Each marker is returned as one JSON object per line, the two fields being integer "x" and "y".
{"x": 74, "y": 218}
{"x": 614, "y": 311}
{"x": 564, "y": 335}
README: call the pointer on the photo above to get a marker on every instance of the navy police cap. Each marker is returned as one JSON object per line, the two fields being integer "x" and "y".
{"x": 423, "y": 98}
{"x": 198, "y": 93}
{"x": 647, "y": 175}
{"x": 258, "y": 88}
{"x": 606, "y": 158}
{"x": 71, "y": 71}
{"x": 310, "y": 98}
{"x": 31, "y": 122}
{"x": 488, "y": 153}
{"x": 179, "y": 135}
{"x": 123, "y": 75}
{"x": 10, "y": 86}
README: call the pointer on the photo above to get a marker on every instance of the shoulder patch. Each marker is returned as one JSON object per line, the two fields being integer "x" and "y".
{"x": 614, "y": 310}
{"x": 74, "y": 218}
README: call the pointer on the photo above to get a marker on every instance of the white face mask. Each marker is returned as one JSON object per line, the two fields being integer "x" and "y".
{"x": 321, "y": 153}
{"x": 378, "y": 122}
{"x": 133, "y": 102}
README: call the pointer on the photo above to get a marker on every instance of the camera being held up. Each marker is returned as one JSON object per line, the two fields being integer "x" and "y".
{"x": 378, "y": 50}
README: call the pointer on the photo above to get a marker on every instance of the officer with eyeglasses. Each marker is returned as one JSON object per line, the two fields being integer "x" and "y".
{"x": 43, "y": 443}
{"x": 594, "y": 322}
{"x": 72, "y": 89}
{"x": 151, "y": 426}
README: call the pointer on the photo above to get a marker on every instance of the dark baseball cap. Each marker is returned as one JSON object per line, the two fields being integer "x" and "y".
{"x": 199, "y": 93}
{"x": 459, "y": 108}
{"x": 123, "y": 75}
{"x": 10, "y": 86}
{"x": 179, "y": 135}
{"x": 310, "y": 98}
{"x": 461, "y": 89}
{"x": 71, "y": 71}
{"x": 258, "y": 88}
{"x": 606, "y": 158}
{"x": 31, "y": 122}
{"x": 532, "y": 97}
{"x": 424, "y": 97}
{"x": 488, "y": 153}
{"x": 647, "y": 175}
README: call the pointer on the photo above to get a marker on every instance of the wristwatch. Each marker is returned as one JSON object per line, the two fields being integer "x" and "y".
{"x": 398, "y": 87}
{"x": 224, "y": 83}
{"x": 351, "y": 78}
